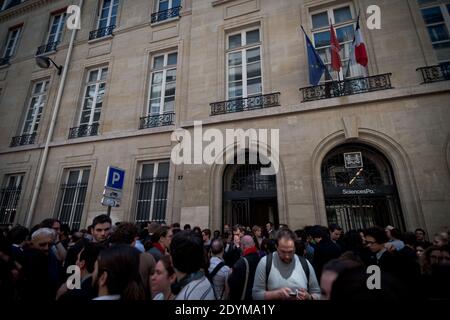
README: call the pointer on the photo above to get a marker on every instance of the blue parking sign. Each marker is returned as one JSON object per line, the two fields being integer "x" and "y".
{"x": 115, "y": 178}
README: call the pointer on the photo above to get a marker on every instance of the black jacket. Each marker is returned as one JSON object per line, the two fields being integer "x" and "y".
{"x": 232, "y": 255}
{"x": 237, "y": 278}
{"x": 40, "y": 276}
{"x": 85, "y": 293}
{"x": 325, "y": 251}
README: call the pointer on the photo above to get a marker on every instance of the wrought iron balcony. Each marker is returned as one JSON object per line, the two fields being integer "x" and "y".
{"x": 49, "y": 47}
{"x": 440, "y": 72}
{"x": 159, "y": 120}
{"x": 102, "y": 32}
{"x": 165, "y": 14}
{"x": 4, "y": 61}
{"x": 23, "y": 140}
{"x": 83, "y": 131}
{"x": 347, "y": 87}
{"x": 245, "y": 104}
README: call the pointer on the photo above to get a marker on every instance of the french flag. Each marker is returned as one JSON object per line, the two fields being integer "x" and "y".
{"x": 359, "y": 48}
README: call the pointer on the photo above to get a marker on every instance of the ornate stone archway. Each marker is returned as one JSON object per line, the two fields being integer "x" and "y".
{"x": 216, "y": 174}
{"x": 397, "y": 157}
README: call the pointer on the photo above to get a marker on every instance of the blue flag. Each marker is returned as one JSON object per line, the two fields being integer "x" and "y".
{"x": 316, "y": 65}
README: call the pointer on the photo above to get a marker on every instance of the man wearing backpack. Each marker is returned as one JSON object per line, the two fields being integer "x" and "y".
{"x": 218, "y": 272}
{"x": 283, "y": 275}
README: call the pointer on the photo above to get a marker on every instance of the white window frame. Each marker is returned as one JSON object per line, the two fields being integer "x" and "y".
{"x": 330, "y": 14}
{"x": 77, "y": 192}
{"x": 18, "y": 181}
{"x": 155, "y": 176}
{"x": 243, "y": 50}
{"x": 59, "y": 28}
{"x": 445, "y": 14}
{"x": 97, "y": 84}
{"x": 13, "y": 48}
{"x": 164, "y": 70}
{"x": 170, "y": 6}
{"x": 41, "y": 100}
{"x": 108, "y": 20}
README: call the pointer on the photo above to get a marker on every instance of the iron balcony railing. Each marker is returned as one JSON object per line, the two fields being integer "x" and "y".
{"x": 4, "y": 61}
{"x": 158, "y": 120}
{"x": 83, "y": 131}
{"x": 440, "y": 72}
{"x": 23, "y": 140}
{"x": 245, "y": 104}
{"x": 347, "y": 87}
{"x": 165, "y": 14}
{"x": 102, "y": 32}
{"x": 49, "y": 47}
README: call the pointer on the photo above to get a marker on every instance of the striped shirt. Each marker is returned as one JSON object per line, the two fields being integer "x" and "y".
{"x": 220, "y": 278}
{"x": 200, "y": 289}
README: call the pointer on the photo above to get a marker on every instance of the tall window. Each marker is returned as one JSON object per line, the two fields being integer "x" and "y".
{"x": 108, "y": 13}
{"x": 162, "y": 86}
{"x": 73, "y": 195}
{"x": 11, "y": 42}
{"x": 166, "y": 9}
{"x": 344, "y": 23}
{"x": 168, "y": 4}
{"x": 152, "y": 192}
{"x": 437, "y": 21}
{"x": 36, "y": 104}
{"x": 9, "y": 198}
{"x": 56, "y": 27}
{"x": 11, "y": 3}
{"x": 244, "y": 64}
{"x": 93, "y": 97}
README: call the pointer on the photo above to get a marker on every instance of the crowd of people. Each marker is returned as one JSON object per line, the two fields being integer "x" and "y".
{"x": 151, "y": 261}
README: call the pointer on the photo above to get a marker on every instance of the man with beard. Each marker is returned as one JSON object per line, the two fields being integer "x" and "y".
{"x": 116, "y": 274}
{"x": 284, "y": 275}
{"x": 85, "y": 261}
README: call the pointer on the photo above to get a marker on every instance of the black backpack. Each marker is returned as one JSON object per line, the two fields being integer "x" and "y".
{"x": 211, "y": 275}
{"x": 303, "y": 262}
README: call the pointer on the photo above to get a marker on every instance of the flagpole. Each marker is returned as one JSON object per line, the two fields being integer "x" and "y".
{"x": 349, "y": 60}
{"x": 352, "y": 51}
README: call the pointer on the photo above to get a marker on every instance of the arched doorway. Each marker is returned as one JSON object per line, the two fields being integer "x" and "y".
{"x": 360, "y": 189}
{"x": 249, "y": 198}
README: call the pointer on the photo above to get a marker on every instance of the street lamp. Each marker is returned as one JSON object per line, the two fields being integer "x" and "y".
{"x": 44, "y": 63}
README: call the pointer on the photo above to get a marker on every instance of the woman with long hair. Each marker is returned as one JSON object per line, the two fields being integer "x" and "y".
{"x": 116, "y": 274}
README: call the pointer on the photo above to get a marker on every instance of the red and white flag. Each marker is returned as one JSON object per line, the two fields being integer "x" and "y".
{"x": 359, "y": 48}
{"x": 335, "y": 48}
